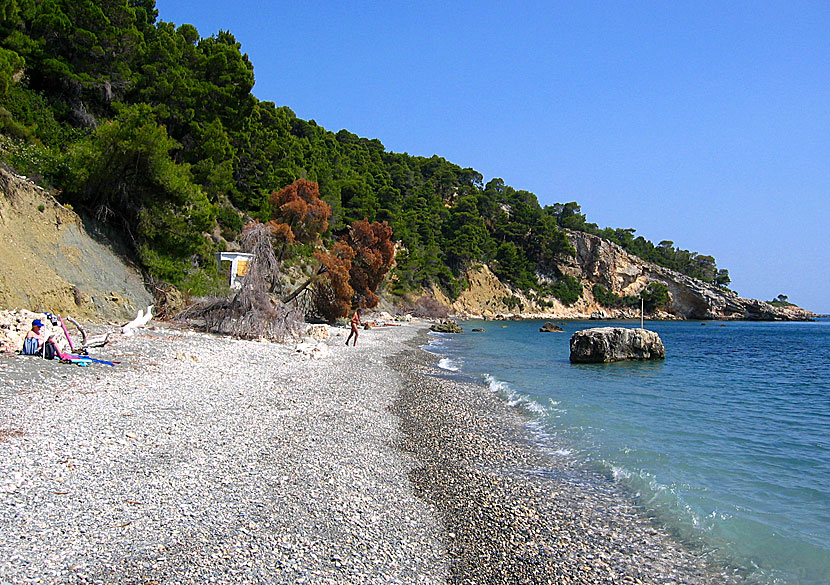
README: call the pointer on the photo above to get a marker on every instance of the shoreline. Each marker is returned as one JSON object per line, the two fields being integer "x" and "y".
{"x": 515, "y": 512}
{"x": 206, "y": 459}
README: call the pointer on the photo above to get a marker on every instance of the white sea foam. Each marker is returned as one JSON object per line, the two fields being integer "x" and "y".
{"x": 434, "y": 346}
{"x": 447, "y": 364}
{"x": 534, "y": 407}
{"x": 513, "y": 398}
{"x": 563, "y": 452}
{"x": 620, "y": 473}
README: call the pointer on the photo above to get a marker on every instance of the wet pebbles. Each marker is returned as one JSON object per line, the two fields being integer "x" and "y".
{"x": 514, "y": 513}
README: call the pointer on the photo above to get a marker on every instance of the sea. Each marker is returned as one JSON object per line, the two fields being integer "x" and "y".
{"x": 725, "y": 443}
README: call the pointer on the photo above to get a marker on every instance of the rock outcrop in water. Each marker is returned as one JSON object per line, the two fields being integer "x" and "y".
{"x": 615, "y": 344}
{"x": 447, "y": 326}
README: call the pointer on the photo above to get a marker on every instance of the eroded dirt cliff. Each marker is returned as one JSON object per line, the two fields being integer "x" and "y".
{"x": 50, "y": 262}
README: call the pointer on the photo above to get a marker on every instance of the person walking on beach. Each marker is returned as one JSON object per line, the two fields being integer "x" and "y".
{"x": 355, "y": 322}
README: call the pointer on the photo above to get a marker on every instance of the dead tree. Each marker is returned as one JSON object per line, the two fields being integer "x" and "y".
{"x": 251, "y": 313}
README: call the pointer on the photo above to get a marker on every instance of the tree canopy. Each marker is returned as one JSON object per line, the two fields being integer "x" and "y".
{"x": 154, "y": 129}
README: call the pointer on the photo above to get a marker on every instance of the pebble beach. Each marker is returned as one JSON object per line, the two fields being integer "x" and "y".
{"x": 202, "y": 459}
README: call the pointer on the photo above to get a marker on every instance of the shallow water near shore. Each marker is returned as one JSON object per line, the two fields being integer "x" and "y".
{"x": 726, "y": 443}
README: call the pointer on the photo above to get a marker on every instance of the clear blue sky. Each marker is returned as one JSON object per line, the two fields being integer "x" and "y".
{"x": 703, "y": 123}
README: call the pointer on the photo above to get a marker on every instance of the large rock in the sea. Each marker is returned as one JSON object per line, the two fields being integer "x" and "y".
{"x": 615, "y": 344}
{"x": 550, "y": 328}
{"x": 446, "y": 327}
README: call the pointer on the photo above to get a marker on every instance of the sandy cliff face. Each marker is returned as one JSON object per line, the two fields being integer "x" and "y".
{"x": 598, "y": 261}
{"x": 49, "y": 262}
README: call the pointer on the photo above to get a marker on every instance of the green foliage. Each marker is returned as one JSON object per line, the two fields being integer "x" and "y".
{"x": 606, "y": 298}
{"x": 32, "y": 160}
{"x": 513, "y": 302}
{"x": 10, "y": 63}
{"x": 655, "y": 296}
{"x": 566, "y": 288}
{"x": 123, "y": 173}
{"x": 160, "y": 129}
{"x": 31, "y": 112}
{"x": 781, "y": 301}
{"x": 229, "y": 221}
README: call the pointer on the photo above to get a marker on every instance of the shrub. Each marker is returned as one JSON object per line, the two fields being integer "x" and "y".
{"x": 606, "y": 298}
{"x": 429, "y": 308}
{"x": 567, "y": 289}
{"x": 655, "y": 295}
{"x": 230, "y": 222}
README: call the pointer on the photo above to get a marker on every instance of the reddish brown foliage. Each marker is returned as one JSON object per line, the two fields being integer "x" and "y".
{"x": 374, "y": 255}
{"x": 333, "y": 294}
{"x": 353, "y": 269}
{"x": 298, "y": 212}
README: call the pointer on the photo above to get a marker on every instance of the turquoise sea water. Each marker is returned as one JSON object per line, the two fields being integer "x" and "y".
{"x": 726, "y": 442}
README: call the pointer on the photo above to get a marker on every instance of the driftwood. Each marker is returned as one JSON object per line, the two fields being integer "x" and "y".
{"x": 94, "y": 341}
{"x": 97, "y": 341}
{"x": 141, "y": 319}
{"x": 81, "y": 329}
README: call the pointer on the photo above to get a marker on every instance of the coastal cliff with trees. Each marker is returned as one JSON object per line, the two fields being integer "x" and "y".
{"x": 152, "y": 131}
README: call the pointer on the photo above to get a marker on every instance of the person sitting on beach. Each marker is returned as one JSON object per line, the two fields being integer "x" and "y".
{"x": 355, "y": 322}
{"x": 34, "y": 339}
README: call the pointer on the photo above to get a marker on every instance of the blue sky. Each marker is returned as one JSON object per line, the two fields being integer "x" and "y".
{"x": 703, "y": 123}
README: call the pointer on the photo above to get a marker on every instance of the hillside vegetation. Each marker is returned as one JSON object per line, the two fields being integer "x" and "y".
{"x": 153, "y": 129}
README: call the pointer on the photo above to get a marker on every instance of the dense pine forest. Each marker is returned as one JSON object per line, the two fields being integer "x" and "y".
{"x": 153, "y": 129}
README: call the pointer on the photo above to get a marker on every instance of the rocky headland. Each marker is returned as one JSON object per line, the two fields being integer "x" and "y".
{"x": 598, "y": 261}
{"x": 53, "y": 260}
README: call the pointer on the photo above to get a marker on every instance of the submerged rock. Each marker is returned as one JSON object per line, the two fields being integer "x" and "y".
{"x": 550, "y": 328}
{"x": 614, "y": 344}
{"x": 446, "y": 327}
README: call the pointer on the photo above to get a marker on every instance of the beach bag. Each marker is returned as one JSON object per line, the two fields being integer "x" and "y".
{"x": 31, "y": 346}
{"x": 50, "y": 350}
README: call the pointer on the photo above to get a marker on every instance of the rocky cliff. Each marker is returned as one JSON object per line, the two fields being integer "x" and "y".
{"x": 50, "y": 262}
{"x": 598, "y": 261}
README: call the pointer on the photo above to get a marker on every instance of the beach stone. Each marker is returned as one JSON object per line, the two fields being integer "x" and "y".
{"x": 312, "y": 350}
{"x": 550, "y": 328}
{"x": 446, "y": 327}
{"x": 613, "y": 344}
{"x": 318, "y": 331}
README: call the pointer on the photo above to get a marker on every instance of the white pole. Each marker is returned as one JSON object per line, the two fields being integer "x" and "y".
{"x": 234, "y": 263}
